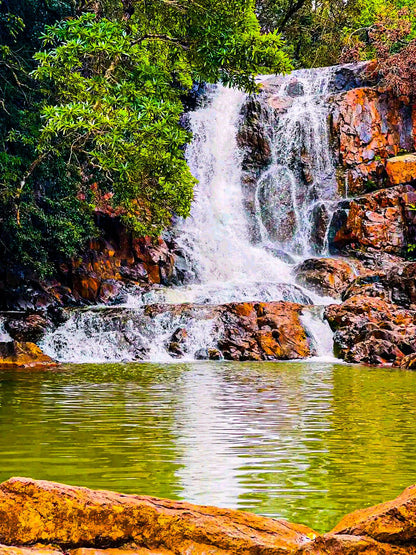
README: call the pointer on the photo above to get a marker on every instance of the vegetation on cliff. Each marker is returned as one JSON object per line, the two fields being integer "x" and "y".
{"x": 91, "y": 97}
{"x": 94, "y": 119}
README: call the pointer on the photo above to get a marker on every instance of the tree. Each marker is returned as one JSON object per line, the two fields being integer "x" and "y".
{"x": 110, "y": 82}
{"x": 312, "y": 28}
{"x": 387, "y": 35}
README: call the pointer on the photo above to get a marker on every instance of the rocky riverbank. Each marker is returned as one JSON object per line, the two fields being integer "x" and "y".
{"x": 46, "y": 518}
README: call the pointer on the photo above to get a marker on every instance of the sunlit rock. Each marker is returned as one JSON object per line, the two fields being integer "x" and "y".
{"x": 327, "y": 276}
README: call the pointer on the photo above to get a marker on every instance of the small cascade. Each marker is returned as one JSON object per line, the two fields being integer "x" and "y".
{"x": 296, "y": 194}
{"x": 319, "y": 331}
{"x": 287, "y": 197}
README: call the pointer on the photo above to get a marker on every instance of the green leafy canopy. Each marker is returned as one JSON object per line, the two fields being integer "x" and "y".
{"x": 114, "y": 86}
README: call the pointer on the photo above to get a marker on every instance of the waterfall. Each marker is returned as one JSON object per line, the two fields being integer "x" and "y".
{"x": 250, "y": 222}
{"x": 297, "y": 193}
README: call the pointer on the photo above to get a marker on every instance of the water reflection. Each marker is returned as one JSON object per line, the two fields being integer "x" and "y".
{"x": 308, "y": 442}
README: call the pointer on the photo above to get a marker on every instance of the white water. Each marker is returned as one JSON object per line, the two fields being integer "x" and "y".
{"x": 215, "y": 239}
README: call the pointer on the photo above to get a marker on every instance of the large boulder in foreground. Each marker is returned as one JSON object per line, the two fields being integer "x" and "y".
{"x": 38, "y": 511}
{"x": 45, "y": 518}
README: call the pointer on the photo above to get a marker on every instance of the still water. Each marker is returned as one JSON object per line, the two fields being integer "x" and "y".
{"x": 304, "y": 441}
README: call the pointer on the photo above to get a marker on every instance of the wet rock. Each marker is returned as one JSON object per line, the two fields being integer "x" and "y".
{"x": 401, "y": 169}
{"x": 295, "y": 88}
{"x": 320, "y": 219}
{"x": 68, "y": 516}
{"x": 393, "y": 522}
{"x": 15, "y": 354}
{"x": 372, "y": 330}
{"x": 372, "y": 285}
{"x": 176, "y": 345}
{"x": 377, "y": 220}
{"x": 368, "y": 128}
{"x": 252, "y": 136}
{"x": 326, "y": 276}
{"x": 343, "y": 544}
{"x": 30, "y": 327}
{"x": 201, "y": 354}
{"x": 409, "y": 362}
{"x": 263, "y": 331}
{"x": 215, "y": 354}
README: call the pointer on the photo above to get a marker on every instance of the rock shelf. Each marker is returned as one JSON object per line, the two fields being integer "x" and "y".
{"x": 46, "y": 518}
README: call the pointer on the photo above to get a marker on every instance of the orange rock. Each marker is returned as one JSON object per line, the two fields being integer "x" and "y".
{"x": 32, "y": 550}
{"x": 125, "y": 550}
{"x": 401, "y": 169}
{"x": 352, "y": 545}
{"x": 370, "y": 127}
{"x": 38, "y": 511}
{"x": 327, "y": 276}
{"x": 378, "y": 220}
{"x": 15, "y": 354}
{"x": 392, "y": 522}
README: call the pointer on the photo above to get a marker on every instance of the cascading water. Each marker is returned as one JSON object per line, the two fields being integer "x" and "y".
{"x": 296, "y": 194}
{"x": 292, "y": 197}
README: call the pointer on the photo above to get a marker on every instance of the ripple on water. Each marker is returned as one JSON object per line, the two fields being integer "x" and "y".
{"x": 305, "y": 441}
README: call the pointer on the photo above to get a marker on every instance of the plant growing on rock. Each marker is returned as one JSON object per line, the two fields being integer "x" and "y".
{"x": 390, "y": 39}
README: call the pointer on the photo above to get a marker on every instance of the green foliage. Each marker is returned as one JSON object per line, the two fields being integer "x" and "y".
{"x": 312, "y": 28}
{"x": 97, "y": 121}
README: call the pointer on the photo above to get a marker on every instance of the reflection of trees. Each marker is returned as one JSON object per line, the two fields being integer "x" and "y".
{"x": 99, "y": 426}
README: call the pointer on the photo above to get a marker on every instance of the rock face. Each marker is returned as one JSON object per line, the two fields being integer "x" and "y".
{"x": 36, "y": 515}
{"x": 369, "y": 127}
{"x": 36, "y": 511}
{"x": 372, "y": 330}
{"x": 379, "y": 221}
{"x": 326, "y": 276}
{"x": 15, "y": 354}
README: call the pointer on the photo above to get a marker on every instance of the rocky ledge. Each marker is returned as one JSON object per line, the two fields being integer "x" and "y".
{"x": 39, "y": 517}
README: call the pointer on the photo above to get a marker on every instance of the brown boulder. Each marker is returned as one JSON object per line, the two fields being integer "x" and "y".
{"x": 263, "y": 331}
{"x": 38, "y": 511}
{"x": 401, "y": 169}
{"x": 393, "y": 522}
{"x": 409, "y": 362}
{"x": 343, "y": 544}
{"x": 14, "y": 354}
{"x": 378, "y": 221}
{"x": 30, "y": 327}
{"x": 326, "y": 276}
{"x": 372, "y": 330}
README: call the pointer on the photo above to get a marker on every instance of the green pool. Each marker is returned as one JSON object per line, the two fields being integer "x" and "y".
{"x": 305, "y": 441}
